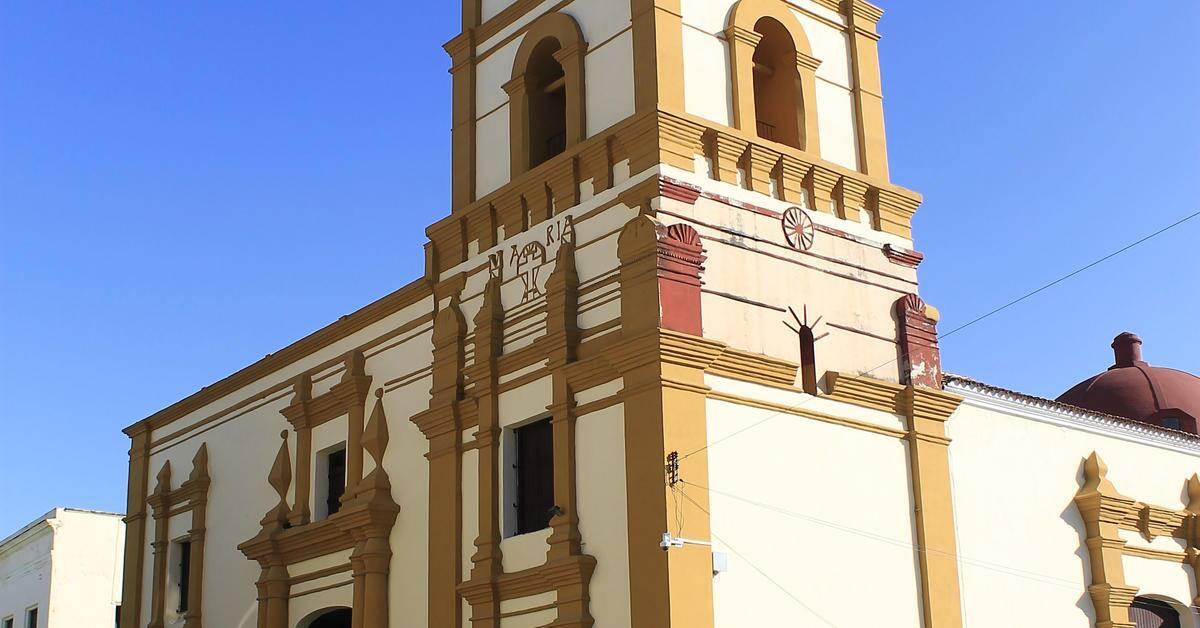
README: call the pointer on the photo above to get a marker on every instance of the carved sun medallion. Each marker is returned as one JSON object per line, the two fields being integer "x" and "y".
{"x": 798, "y": 229}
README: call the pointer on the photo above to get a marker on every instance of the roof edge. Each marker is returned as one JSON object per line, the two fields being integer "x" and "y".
{"x": 371, "y": 313}
{"x": 1081, "y": 417}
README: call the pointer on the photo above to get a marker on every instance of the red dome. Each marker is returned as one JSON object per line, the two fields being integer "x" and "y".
{"x": 1133, "y": 389}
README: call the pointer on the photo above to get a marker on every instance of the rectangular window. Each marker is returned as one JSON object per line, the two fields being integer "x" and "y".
{"x": 31, "y": 618}
{"x": 185, "y": 567}
{"x": 8, "y": 622}
{"x": 117, "y": 619}
{"x": 535, "y": 476}
{"x": 336, "y": 479}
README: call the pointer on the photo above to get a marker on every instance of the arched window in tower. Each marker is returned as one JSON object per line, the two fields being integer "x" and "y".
{"x": 1150, "y": 613}
{"x": 778, "y": 103}
{"x": 546, "y": 99}
{"x": 546, "y": 83}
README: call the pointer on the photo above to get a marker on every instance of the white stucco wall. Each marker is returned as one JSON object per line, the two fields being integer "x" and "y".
{"x": 823, "y": 510}
{"x": 68, "y": 565}
{"x": 603, "y": 516}
{"x": 242, "y": 447}
{"x": 1015, "y": 474}
{"x": 25, "y": 573}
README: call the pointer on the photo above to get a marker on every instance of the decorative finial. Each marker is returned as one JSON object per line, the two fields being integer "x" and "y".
{"x": 1095, "y": 471}
{"x": 1127, "y": 350}
{"x": 163, "y": 479}
{"x": 375, "y": 435}
{"x": 200, "y": 463}
{"x": 1193, "y": 491}
{"x": 280, "y": 477}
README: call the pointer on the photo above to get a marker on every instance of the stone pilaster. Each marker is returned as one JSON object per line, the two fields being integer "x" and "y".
{"x": 1103, "y": 510}
{"x": 920, "y": 358}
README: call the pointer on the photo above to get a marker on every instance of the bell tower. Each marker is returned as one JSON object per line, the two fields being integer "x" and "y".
{"x": 680, "y": 194}
{"x": 551, "y": 107}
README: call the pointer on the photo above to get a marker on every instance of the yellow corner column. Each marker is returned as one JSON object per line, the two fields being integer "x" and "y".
{"x": 868, "y": 88}
{"x": 664, "y": 405}
{"x": 1103, "y": 510}
{"x": 927, "y": 410}
{"x": 135, "y": 524}
{"x": 658, "y": 54}
{"x": 441, "y": 425}
{"x": 684, "y": 426}
{"x": 463, "y": 72}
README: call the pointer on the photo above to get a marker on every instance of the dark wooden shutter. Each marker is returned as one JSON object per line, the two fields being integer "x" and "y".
{"x": 337, "y": 481}
{"x": 535, "y": 476}
{"x": 185, "y": 570}
{"x": 1147, "y": 613}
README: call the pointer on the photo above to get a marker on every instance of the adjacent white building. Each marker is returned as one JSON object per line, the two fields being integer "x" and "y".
{"x": 63, "y": 570}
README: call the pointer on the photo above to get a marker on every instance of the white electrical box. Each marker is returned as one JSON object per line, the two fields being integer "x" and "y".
{"x": 720, "y": 563}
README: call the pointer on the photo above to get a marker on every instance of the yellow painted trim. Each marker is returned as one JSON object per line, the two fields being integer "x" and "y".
{"x": 1153, "y": 554}
{"x": 867, "y": 392}
{"x": 808, "y": 414}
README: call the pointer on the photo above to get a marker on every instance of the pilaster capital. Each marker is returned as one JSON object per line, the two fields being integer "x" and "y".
{"x": 742, "y": 36}
{"x": 515, "y": 86}
{"x": 864, "y": 17}
{"x": 461, "y": 50}
{"x": 806, "y": 61}
{"x": 570, "y": 52}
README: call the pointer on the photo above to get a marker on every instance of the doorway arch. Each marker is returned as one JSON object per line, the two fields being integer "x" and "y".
{"x": 328, "y": 618}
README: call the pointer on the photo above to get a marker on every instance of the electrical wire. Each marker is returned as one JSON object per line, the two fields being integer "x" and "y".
{"x": 762, "y": 573}
{"x": 1069, "y": 275}
{"x": 970, "y": 323}
{"x": 1015, "y": 571}
{"x": 961, "y": 560}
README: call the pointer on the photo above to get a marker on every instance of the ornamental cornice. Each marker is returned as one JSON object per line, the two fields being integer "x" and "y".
{"x": 549, "y": 576}
{"x": 808, "y": 61}
{"x": 865, "y": 391}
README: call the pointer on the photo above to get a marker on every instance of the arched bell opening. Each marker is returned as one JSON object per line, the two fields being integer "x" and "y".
{"x": 546, "y": 81}
{"x": 328, "y": 618}
{"x": 778, "y": 98}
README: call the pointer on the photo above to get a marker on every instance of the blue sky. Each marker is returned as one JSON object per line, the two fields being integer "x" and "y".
{"x": 187, "y": 187}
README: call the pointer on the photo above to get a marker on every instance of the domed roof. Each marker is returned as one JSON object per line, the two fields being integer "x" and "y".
{"x": 1133, "y": 389}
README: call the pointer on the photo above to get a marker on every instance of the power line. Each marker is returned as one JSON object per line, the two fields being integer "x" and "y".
{"x": 978, "y": 319}
{"x": 1069, "y": 275}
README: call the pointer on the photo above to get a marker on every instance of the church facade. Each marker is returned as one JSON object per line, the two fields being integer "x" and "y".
{"x": 668, "y": 365}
